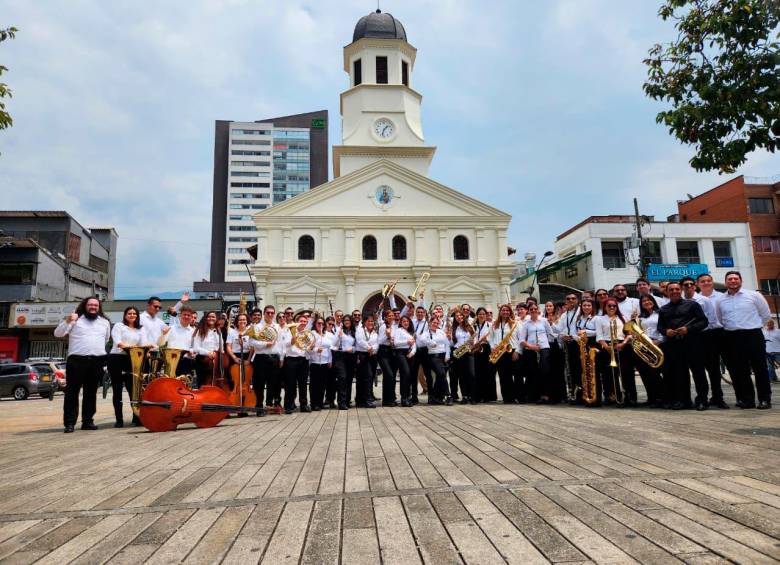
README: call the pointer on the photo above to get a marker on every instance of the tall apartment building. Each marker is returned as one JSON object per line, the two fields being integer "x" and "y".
{"x": 755, "y": 201}
{"x": 256, "y": 165}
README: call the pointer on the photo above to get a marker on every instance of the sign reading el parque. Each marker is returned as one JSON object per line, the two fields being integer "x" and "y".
{"x": 674, "y": 272}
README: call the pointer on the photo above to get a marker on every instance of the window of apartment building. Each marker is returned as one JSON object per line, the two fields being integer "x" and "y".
{"x": 251, "y": 142}
{"x": 770, "y": 286}
{"x": 764, "y": 244}
{"x": 369, "y": 248}
{"x": 612, "y": 255}
{"x": 399, "y": 248}
{"x": 460, "y": 248}
{"x": 761, "y": 206}
{"x": 250, "y": 185}
{"x": 250, "y": 163}
{"x": 246, "y": 153}
{"x": 404, "y": 73}
{"x": 263, "y": 174}
{"x": 357, "y": 71}
{"x": 687, "y": 251}
{"x": 381, "y": 70}
{"x": 237, "y": 218}
{"x": 653, "y": 252}
{"x": 74, "y": 247}
{"x": 306, "y": 248}
{"x": 723, "y": 256}
{"x": 241, "y": 228}
{"x": 17, "y": 274}
{"x": 236, "y": 249}
{"x": 250, "y": 132}
{"x": 242, "y": 239}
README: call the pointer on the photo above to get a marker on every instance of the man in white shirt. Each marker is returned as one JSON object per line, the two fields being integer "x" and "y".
{"x": 743, "y": 313}
{"x": 711, "y": 338}
{"x": 567, "y": 329}
{"x": 267, "y": 363}
{"x": 153, "y": 324}
{"x": 88, "y": 331}
{"x": 420, "y": 325}
{"x": 772, "y": 339}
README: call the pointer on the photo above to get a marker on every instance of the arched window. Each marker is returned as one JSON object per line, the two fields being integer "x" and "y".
{"x": 369, "y": 248}
{"x": 306, "y": 248}
{"x": 399, "y": 248}
{"x": 460, "y": 247}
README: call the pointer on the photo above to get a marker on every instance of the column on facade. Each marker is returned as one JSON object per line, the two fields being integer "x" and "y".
{"x": 287, "y": 246}
{"x": 419, "y": 246}
{"x": 444, "y": 247}
{"x": 480, "y": 253}
{"x": 349, "y": 247}
{"x": 501, "y": 242}
{"x": 324, "y": 245}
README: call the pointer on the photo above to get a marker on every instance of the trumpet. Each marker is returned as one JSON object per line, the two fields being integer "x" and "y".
{"x": 388, "y": 288}
{"x": 420, "y": 286}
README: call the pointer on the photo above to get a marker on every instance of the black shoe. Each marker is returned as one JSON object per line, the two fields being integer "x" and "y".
{"x": 119, "y": 424}
{"x": 288, "y": 411}
{"x": 435, "y": 402}
{"x": 242, "y": 415}
{"x": 747, "y": 405}
{"x": 719, "y": 403}
{"x": 390, "y": 404}
{"x": 69, "y": 429}
{"x": 306, "y": 409}
{"x": 677, "y": 406}
{"x": 700, "y": 406}
{"x": 406, "y": 403}
{"x": 343, "y": 407}
{"x": 764, "y": 405}
{"x": 316, "y": 408}
{"x": 88, "y": 426}
{"x": 260, "y": 412}
{"x": 448, "y": 401}
{"x": 415, "y": 401}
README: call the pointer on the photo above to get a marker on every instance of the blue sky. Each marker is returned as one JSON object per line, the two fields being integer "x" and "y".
{"x": 536, "y": 108}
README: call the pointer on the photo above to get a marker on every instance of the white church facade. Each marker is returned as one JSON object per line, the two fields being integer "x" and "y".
{"x": 381, "y": 218}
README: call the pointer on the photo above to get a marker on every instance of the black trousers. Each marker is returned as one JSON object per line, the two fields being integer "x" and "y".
{"x": 653, "y": 380}
{"x": 539, "y": 381}
{"x": 344, "y": 369}
{"x": 296, "y": 374}
{"x": 746, "y": 350}
{"x": 421, "y": 360}
{"x": 119, "y": 369}
{"x": 185, "y": 366}
{"x": 463, "y": 368}
{"x": 365, "y": 378}
{"x": 484, "y": 376}
{"x": 682, "y": 357}
{"x": 265, "y": 374}
{"x": 506, "y": 377}
{"x": 318, "y": 373}
{"x": 712, "y": 346}
{"x": 440, "y": 390}
{"x": 404, "y": 365}
{"x": 558, "y": 388}
{"x": 331, "y": 385}
{"x": 84, "y": 371}
{"x": 620, "y": 377}
{"x": 205, "y": 370}
{"x": 388, "y": 365}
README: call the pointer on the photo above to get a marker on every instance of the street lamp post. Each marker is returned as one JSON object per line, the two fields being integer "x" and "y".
{"x": 530, "y": 290}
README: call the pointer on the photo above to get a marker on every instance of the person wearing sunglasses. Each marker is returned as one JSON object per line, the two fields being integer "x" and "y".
{"x": 681, "y": 322}
{"x": 151, "y": 321}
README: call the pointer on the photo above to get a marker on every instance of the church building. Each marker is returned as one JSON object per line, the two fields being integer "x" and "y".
{"x": 381, "y": 218}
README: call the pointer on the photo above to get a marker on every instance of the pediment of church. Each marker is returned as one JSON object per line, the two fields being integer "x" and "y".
{"x": 305, "y": 286}
{"x": 463, "y": 289}
{"x": 383, "y": 189}
{"x": 461, "y": 284}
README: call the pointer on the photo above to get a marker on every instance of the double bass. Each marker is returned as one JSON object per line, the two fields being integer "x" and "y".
{"x": 240, "y": 391}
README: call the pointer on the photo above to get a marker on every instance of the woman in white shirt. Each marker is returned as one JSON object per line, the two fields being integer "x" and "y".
{"x": 344, "y": 361}
{"x": 319, "y": 364}
{"x": 438, "y": 345}
{"x": 366, "y": 347}
{"x": 127, "y": 333}
{"x": 484, "y": 370}
{"x": 462, "y": 369}
{"x": 404, "y": 349}
{"x": 386, "y": 358}
{"x": 651, "y": 378}
{"x": 507, "y": 365}
{"x": 535, "y": 337}
{"x": 206, "y": 344}
{"x": 611, "y": 377}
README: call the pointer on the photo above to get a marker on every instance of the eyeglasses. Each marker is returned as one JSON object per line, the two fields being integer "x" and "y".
{"x": 157, "y": 307}
{"x": 611, "y": 306}
{"x": 688, "y": 284}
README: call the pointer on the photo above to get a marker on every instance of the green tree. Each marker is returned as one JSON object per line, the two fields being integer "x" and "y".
{"x": 722, "y": 78}
{"x": 5, "y": 118}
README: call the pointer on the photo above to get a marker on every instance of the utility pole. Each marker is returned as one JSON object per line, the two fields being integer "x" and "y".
{"x": 638, "y": 224}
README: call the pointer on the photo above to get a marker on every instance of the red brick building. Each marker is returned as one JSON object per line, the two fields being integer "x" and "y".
{"x": 757, "y": 202}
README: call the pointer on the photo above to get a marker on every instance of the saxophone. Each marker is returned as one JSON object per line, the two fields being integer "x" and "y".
{"x": 503, "y": 346}
{"x": 588, "y": 363}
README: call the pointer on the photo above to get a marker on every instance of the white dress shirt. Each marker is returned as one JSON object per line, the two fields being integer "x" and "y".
{"x": 420, "y": 327}
{"x": 265, "y": 347}
{"x": 86, "y": 337}
{"x": 401, "y": 340}
{"x": 461, "y": 337}
{"x": 743, "y": 310}
{"x": 237, "y": 345}
{"x": 567, "y": 323}
{"x": 537, "y": 333}
{"x": 382, "y": 333}
{"x": 629, "y": 307}
{"x": 772, "y": 339}
{"x": 154, "y": 327}
{"x": 436, "y": 342}
{"x": 603, "y": 329}
{"x": 650, "y": 325}
{"x": 179, "y": 337}
{"x": 708, "y": 307}
{"x": 502, "y": 330}
{"x": 344, "y": 342}
{"x": 588, "y": 325}
{"x": 365, "y": 340}
{"x": 320, "y": 353}
{"x": 127, "y": 336}
{"x": 205, "y": 345}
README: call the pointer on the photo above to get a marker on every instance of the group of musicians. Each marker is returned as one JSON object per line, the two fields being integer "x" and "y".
{"x": 575, "y": 352}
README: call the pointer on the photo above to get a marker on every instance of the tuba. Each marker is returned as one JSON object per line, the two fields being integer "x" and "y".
{"x": 643, "y": 346}
{"x": 137, "y": 356}
{"x": 171, "y": 359}
{"x": 590, "y": 395}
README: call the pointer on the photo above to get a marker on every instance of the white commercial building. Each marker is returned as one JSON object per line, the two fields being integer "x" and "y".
{"x": 601, "y": 252}
{"x": 381, "y": 218}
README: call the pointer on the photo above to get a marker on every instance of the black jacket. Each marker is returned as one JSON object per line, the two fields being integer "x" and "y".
{"x": 686, "y": 313}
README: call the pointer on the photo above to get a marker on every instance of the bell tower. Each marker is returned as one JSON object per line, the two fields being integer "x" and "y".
{"x": 380, "y": 110}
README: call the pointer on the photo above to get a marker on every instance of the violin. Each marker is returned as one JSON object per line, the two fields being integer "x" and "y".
{"x": 167, "y": 403}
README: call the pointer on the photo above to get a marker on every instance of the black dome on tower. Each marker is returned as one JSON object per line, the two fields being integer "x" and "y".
{"x": 379, "y": 26}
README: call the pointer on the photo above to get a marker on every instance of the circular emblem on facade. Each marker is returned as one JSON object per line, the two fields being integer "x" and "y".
{"x": 383, "y": 197}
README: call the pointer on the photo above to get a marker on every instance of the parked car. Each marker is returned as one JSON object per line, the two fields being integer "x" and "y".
{"x": 55, "y": 365}
{"x": 20, "y": 380}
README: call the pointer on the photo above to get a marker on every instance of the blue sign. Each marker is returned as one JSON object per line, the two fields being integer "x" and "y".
{"x": 724, "y": 261}
{"x": 667, "y": 272}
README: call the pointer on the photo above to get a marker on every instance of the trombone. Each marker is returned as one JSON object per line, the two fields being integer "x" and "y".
{"x": 420, "y": 286}
{"x": 615, "y": 362}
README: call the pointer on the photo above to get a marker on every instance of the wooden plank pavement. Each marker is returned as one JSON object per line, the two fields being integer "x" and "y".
{"x": 462, "y": 484}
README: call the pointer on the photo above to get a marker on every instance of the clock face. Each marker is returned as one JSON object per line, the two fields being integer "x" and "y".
{"x": 384, "y": 128}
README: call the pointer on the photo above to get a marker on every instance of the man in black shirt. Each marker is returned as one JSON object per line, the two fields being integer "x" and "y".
{"x": 681, "y": 323}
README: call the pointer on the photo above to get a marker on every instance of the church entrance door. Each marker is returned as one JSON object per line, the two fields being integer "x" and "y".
{"x": 372, "y": 304}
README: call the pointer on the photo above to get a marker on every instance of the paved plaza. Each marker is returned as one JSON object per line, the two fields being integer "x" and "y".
{"x": 464, "y": 484}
